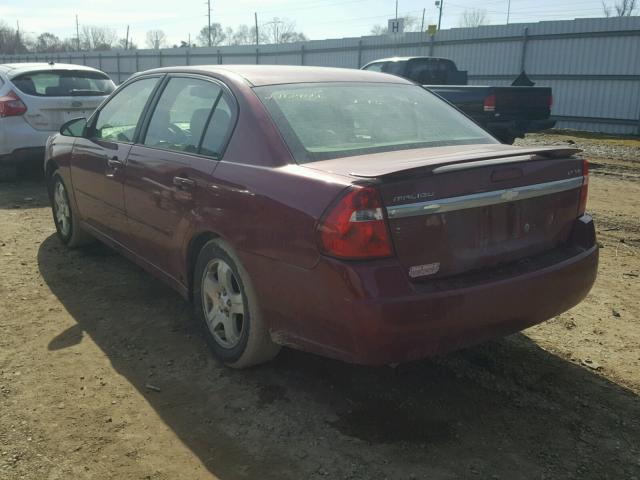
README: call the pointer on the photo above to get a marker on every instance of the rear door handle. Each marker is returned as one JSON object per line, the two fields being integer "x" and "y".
{"x": 184, "y": 183}
{"x": 114, "y": 163}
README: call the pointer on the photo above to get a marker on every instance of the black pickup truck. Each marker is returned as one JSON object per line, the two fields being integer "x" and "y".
{"x": 506, "y": 112}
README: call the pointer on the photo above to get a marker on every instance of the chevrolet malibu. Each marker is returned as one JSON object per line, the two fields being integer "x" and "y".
{"x": 347, "y": 213}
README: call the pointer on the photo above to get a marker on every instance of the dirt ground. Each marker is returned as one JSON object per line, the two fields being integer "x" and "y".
{"x": 103, "y": 376}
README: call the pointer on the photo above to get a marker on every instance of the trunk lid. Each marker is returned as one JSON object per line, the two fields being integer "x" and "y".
{"x": 49, "y": 113}
{"x": 451, "y": 213}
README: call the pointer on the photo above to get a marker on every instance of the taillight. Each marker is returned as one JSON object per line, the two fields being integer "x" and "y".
{"x": 584, "y": 191}
{"x": 11, "y": 105}
{"x": 490, "y": 103}
{"x": 550, "y": 101}
{"x": 355, "y": 226}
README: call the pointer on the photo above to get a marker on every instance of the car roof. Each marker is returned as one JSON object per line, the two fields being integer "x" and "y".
{"x": 12, "y": 70}
{"x": 261, "y": 75}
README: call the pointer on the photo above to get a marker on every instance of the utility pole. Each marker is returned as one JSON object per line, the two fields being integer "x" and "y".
{"x": 396, "y": 10}
{"x": 77, "y": 34}
{"x": 439, "y": 4}
{"x": 209, "y": 20}
{"x": 255, "y": 14}
{"x": 126, "y": 39}
{"x": 508, "y": 10}
{"x": 424, "y": 10}
{"x": 17, "y": 47}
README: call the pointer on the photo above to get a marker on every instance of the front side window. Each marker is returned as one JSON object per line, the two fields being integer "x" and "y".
{"x": 64, "y": 83}
{"x": 332, "y": 120}
{"x": 182, "y": 114}
{"x": 118, "y": 120}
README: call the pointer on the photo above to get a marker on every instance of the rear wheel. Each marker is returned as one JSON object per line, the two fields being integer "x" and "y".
{"x": 67, "y": 226}
{"x": 226, "y": 307}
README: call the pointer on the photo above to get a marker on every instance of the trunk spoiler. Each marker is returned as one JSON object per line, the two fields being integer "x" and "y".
{"x": 450, "y": 162}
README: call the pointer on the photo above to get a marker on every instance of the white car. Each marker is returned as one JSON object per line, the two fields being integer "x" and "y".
{"x": 36, "y": 99}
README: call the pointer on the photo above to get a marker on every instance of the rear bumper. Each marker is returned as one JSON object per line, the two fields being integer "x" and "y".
{"x": 23, "y": 156}
{"x": 370, "y": 313}
{"x": 435, "y": 323}
{"x": 20, "y": 140}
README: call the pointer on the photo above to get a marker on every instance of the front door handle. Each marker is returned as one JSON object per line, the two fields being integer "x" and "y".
{"x": 184, "y": 183}
{"x": 114, "y": 163}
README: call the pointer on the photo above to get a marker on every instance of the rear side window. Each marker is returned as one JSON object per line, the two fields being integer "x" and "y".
{"x": 118, "y": 120}
{"x": 192, "y": 116}
{"x": 218, "y": 130}
{"x": 182, "y": 114}
{"x": 64, "y": 83}
{"x": 432, "y": 71}
{"x": 394, "y": 68}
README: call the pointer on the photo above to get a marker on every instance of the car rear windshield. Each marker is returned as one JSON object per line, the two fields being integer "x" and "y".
{"x": 64, "y": 83}
{"x": 333, "y": 120}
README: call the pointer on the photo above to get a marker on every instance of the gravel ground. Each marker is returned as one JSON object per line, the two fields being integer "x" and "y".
{"x": 608, "y": 154}
{"x": 594, "y": 145}
{"x": 103, "y": 376}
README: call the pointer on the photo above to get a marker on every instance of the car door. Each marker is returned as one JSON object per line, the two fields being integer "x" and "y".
{"x": 169, "y": 169}
{"x": 99, "y": 158}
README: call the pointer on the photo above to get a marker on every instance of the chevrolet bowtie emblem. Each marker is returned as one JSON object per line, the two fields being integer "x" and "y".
{"x": 509, "y": 195}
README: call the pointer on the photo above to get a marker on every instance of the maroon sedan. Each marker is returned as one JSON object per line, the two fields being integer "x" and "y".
{"x": 347, "y": 213}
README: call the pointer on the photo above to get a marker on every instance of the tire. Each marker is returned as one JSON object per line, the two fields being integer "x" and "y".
{"x": 226, "y": 309}
{"x": 65, "y": 219}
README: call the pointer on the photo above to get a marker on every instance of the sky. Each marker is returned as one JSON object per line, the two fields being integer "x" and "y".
{"x": 318, "y": 19}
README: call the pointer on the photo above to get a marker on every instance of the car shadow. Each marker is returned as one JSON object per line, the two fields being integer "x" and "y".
{"x": 506, "y": 409}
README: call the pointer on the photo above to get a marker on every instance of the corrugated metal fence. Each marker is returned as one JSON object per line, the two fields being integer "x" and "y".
{"x": 593, "y": 65}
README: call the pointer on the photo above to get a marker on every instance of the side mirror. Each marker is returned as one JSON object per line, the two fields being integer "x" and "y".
{"x": 74, "y": 128}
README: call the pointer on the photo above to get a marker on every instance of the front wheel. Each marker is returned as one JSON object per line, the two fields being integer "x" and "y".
{"x": 226, "y": 307}
{"x": 67, "y": 225}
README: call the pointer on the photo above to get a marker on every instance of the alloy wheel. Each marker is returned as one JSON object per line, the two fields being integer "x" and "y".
{"x": 223, "y": 303}
{"x": 62, "y": 209}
